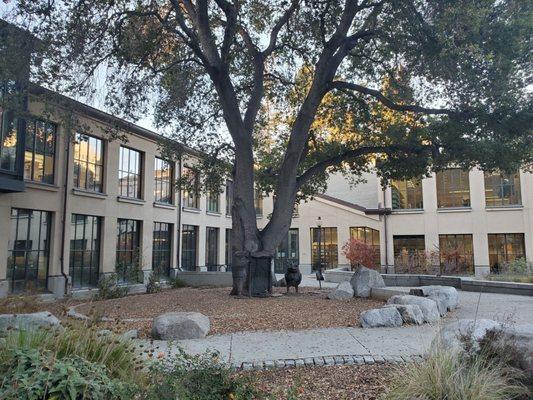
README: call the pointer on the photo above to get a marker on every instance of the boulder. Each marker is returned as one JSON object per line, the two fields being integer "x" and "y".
{"x": 180, "y": 325}
{"x": 364, "y": 279}
{"x": 427, "y": 306}
{"x": 343, "y": 291}
{"x": 131, "y": 334}
{"x": 449, "y": 293}
{"x": 29, "y": 321}
{"x": 381, "y": 317}
{"x": 411, "y": 314}
{"x": 442, "y": 302}
{"x": 522, "y": 338}
{"x": 452, "y": 335}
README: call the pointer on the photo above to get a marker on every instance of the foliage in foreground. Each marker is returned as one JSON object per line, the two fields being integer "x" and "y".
{"x": 450, "y": 376}
{"x": 199, "y": 377}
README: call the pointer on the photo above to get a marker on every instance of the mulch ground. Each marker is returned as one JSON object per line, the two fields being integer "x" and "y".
{"x": 305, "y": 310}
{"x": 346, "y": 382}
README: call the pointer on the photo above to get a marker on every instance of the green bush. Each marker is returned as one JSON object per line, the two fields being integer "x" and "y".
{"x": 448, "y": 375}
{"x": 200, "y": 377}
{"x": 34, "y": 374}
{"x": 153, "y": 285}
{"x": 117, "y": 356}
{"x": 109, "y": 289}
{"x": 177, "y": 283}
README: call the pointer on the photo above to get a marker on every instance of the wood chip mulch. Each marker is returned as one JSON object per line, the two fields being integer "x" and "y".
{"x": 346, "y": 382}
{"x": 305, "y": 310}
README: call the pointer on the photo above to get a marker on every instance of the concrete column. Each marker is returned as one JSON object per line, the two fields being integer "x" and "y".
{"x": 108, "y": 247}
{"x": 147, "y": 232}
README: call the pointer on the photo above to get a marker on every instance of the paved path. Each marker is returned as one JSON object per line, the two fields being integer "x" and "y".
{"x": 350, "y": 345}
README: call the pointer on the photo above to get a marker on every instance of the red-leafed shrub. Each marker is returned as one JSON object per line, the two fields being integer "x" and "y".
{"x": 360, "y": 254}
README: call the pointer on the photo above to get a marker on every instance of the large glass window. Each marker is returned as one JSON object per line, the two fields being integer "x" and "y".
{"x": 456, "y": 253}
{"x": 8, "y": 141}
{"x": 163, "y": 181}
{"x": 369, "y": 236}
{"x": 287, "y": 252}
{"x": 505, "y": 248}
{"x": 502, "y": 189}
{"x": 453, "y": 188}
{"x": 88, "y": 162}
{"x": 189, "y": 247}
{"x": 130, "y": 173}
{"x": 409, "y": 253}
{"x": 228, "y": 250}
{"x": 229, "y": 196}
{"x": 407, "y": 194}
{"x": 408, "y": 244}
{"x": 128, "y": 265}
{"x": 161, "y": 248}
{"x": 211, "y": 248}
{"x": 324, "y": 248}
{"x": 39, "y": 156}
{"x": 191, "y": 195}
{"x": 28, "y": 249}
{"x": 84, "y": 261}
{"x": 213, "y": 202}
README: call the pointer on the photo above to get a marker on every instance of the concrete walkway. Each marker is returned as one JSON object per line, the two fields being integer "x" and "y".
{"x": 348, "y": 345}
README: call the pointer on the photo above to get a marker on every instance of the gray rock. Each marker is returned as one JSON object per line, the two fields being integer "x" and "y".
{"x": 180, "y": 325}
{"x": 104, "y": 332}
{"x": 441, "y": 300}
{"x": 364, "y": 279}
{"x": 451, "y": 335}
{"x": 131, "y": 334}
{"x": 42, "y": 319}
{"x": 343, "y": 291}
{"x": 449, "y": 293}
{"x": 386, "y": 316}
{"x": 411, "y": 313}
{"x": 427, "y": 306}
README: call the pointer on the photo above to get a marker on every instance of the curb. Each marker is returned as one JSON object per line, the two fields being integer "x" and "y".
{"x": 325, "y": 361}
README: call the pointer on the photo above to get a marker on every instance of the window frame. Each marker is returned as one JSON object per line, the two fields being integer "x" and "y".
{"x": 78, "y": 161}
{"x": 31, "y": 134}
{"x": 213, "y": 198}
{"x": 162, "y": 249}
{"x": 516, "y": 187}
{"x": 161, "y": 181}
{"x": 330, "y": 248}
{"x": 95, "y": 229}
{"x": 139, "y": 174}
{"x": 506, "y": 242}
{"x": 408, "y": 194}
{"x": 441, "y": 185}
{"x": 191, "y": 200}
{"x": 189, "y": 235}
{"x": 126, "y": 275}
{"x": 365, "y": 239}
{"x": 469, "y": 257}
{"x": 212, "y": 249}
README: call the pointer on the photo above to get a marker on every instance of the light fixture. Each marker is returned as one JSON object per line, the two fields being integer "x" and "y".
{"x": 319, "y": 222}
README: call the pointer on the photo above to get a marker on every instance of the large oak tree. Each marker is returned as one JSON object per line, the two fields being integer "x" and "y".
{"x": 303, "y": 88}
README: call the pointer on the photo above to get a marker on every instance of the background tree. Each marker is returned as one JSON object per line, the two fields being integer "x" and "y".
{"x": 465, "y": 67}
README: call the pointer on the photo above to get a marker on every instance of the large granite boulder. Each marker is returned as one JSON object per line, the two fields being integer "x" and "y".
{"x": 180, "y": 325}
{"x": 411, "y": 313}
{"x": 36, "y": 320}
{"x": 452, "y": 336}
{"x": 364, "y": 279}
{"x": 427, "y": 306}
{"x": 381, "y": 317}
{"x": 446, "y": 295}
{"x": 344, "y": 291}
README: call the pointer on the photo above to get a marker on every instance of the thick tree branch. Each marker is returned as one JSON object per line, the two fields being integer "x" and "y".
{"x": 278, "y": 26}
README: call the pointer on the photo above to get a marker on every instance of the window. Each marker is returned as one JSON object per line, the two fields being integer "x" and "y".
{"x": 163, "y": 181}
{"x": 88, "y": 163}
{"x": 161, "y": 248}
{"x": 229, "y": 196}
{"x": 84, "y": 261}
{"x": 369, "y": 236}
{"x": 8, "y": 141}
{"x": 189, "y": 246}
{"x": 213, "y": 202}
{"x": 324, "y": 247}
{"x": 453, "y": 188}
{"x": 258, "y": 203}
{"x": 191, "y": 198}
{"x": 456, "y": 253}
{"x": 410, "y": 255}
{"x": 407, "y": 194}
{"x": 228, "y": 251}
{"x": 287, "y": 252}
{"x": 408, "y": 244}
{"x": 502, "y": 189}
{"x": 211, "y": 248}
{"x": 28, "y": 249}
{"x": 505, "y": 248}
{"x": 128, "y": 266}
{"x": 40, "y": 151}
{"x": 129, "y": 173}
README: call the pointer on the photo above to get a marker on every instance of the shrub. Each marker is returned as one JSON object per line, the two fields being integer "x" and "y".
{"x": 177, "y": 283}
{"x": 109, "y": 289}
{"x": 34, "y": 374}
{"x": 153, "y": 285}
{"x": 199, "y": 377}
{"x": 455, "y": 376}
{"x": 359, "y": 254}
